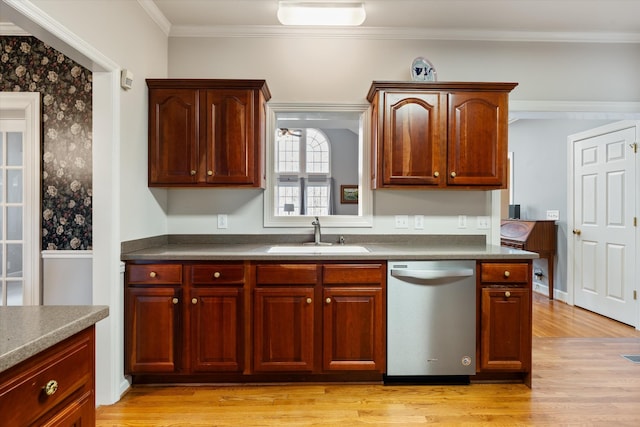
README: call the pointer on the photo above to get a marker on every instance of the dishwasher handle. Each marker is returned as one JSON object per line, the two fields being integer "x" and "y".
{"x": 432, "y": 274}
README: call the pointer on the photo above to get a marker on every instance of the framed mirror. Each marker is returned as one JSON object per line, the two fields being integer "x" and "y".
{"x": 317, "y": 164}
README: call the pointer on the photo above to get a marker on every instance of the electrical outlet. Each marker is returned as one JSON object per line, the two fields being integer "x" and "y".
{"x": 223, "y": 221}
{"x": 483, "y": 222}
{"x": 462, "y": 221}
{"x": 553, "y": 215}
{"x": 402, "y": 221}
{"x": 418, "y": 222}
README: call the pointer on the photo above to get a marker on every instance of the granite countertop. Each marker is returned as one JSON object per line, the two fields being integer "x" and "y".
{"x": 406, "y": 247}
{"x": 26, "y": 331}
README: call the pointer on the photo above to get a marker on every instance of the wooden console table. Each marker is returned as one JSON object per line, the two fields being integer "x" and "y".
{"x": 533, "y": 236}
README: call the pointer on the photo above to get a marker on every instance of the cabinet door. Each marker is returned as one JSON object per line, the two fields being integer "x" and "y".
{"x": 173, "y": 136}
{"x": 152, "y": 329}
{"x": 216, "y": 338}
{"x": 477, "y": 146}
{"x": 230, "y": 137}
{"x": 78, "y": 413}
{"x": 505, "y": 329}
{"x": 283, "y": 329}
{"x": 414, "y": 139}
{"x": 353, "y": 329}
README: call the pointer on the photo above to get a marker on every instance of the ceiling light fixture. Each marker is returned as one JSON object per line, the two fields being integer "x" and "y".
{"x": 321, "y": 13}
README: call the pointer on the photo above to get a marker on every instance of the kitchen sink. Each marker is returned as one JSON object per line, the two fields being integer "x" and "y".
{"x": 318, "y": 250}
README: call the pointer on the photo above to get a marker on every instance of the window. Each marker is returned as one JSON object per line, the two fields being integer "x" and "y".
{"x": 302, "y": 172}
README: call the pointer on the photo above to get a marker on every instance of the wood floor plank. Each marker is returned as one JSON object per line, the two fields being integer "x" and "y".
{"x": 579, "y": 379}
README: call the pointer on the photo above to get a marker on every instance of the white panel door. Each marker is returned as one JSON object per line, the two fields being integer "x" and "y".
{"x": 604, "y": 236}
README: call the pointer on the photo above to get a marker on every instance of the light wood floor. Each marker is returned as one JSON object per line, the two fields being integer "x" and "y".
{"x": 580, "y": 379}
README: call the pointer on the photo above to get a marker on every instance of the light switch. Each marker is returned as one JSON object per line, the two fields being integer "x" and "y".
{"x": 418, "y": 222}
{"x": 222, "y": 221}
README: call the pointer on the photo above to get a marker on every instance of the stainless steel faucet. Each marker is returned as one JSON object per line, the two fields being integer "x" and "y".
{"x": 317, "y": 235}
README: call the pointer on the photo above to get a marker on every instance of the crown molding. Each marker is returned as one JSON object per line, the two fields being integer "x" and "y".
{"x": 158, "y": 17}
{"x": 388, "y": 33}
{"x": 585, "y": 110}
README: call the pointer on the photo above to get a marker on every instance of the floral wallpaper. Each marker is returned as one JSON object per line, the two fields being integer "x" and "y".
{"x": 27, "y": 64}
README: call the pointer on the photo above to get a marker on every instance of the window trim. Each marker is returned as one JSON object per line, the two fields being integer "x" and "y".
{"x": 365, "y": 204}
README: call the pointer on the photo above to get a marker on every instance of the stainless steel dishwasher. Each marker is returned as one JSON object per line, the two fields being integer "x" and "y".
{"x": 431, "y": 321}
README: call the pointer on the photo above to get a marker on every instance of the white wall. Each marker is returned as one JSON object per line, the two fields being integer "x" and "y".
{"x": 341, "y": 70}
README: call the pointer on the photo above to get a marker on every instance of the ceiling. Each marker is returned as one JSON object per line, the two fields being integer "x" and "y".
{"x": 551, "y": 20}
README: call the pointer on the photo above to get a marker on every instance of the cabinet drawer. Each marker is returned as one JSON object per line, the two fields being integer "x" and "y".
{"x": 70, "y": 364}
{"x": 353, "y": 274}
{"x": 164, "y": 274}
{"x": 212, "y": 274}
{"x": 287, "y": 274}
{"x": 505, "y": 273}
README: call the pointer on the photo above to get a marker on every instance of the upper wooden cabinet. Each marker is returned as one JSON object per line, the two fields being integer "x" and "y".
{"x": 205, "y": 133}
{"x": 439, "y": 135}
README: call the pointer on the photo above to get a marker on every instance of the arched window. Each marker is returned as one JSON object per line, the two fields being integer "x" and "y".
{"x": 302, "y": 172}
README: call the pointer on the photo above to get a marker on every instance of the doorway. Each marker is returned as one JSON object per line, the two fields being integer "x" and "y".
{"x": 19, "y": 198}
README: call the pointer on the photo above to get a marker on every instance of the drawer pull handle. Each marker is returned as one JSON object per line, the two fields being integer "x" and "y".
{"x": 309, "y": 300}
{"x": 174, "y": 301}
{"x": 507, "y": 274}
{"x": 194, "y": 300}
{"x": 216, "y": 275}
{"x": 153, "y": 274}
{"x": 328, "y": 300}
{"x": 507, "y": 294}
{"x": 51, "y": 387}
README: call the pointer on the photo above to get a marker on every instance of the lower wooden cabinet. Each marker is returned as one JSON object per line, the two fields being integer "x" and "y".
{"x": 153, "y": 316}
{"x": 54, "y": 387}
{"x": 505, "y": 318}
{"x": 244, "y": 321}
{"x": 184, "y": 318}
{"x": 284, "y": 329}
{"x": 319, "y": 317}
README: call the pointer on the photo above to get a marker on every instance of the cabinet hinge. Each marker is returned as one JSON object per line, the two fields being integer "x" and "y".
{"x": 635, "y": 221}
{"x": 635, "y": 295}
{"x": 635, "y": 147}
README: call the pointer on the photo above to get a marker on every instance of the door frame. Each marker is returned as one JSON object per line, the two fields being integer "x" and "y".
{"x": 28, "y": 104}
{"x": 571, "y": 142}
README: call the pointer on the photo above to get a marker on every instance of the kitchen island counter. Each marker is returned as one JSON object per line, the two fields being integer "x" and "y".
{"x": 28, "y": 330}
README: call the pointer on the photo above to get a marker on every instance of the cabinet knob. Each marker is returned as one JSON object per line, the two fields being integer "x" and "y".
{"x": 153, "y": 274}
{"x": 328, "y": 300}
{"x": 507, "y": 274}
{"x": 210, "y": 173}
{"x": 51, "y": 387}
{"x": 193, "y": 172}
{"x": 174, "y": 301}
{"x": 507, "y": 294}
{"x": 436, "y": 174}
{"x": 194, "y": 300}
{"x": 309, "y": 300}
{"x": 453, "y": 174}
{"x": 216, "y": 275}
